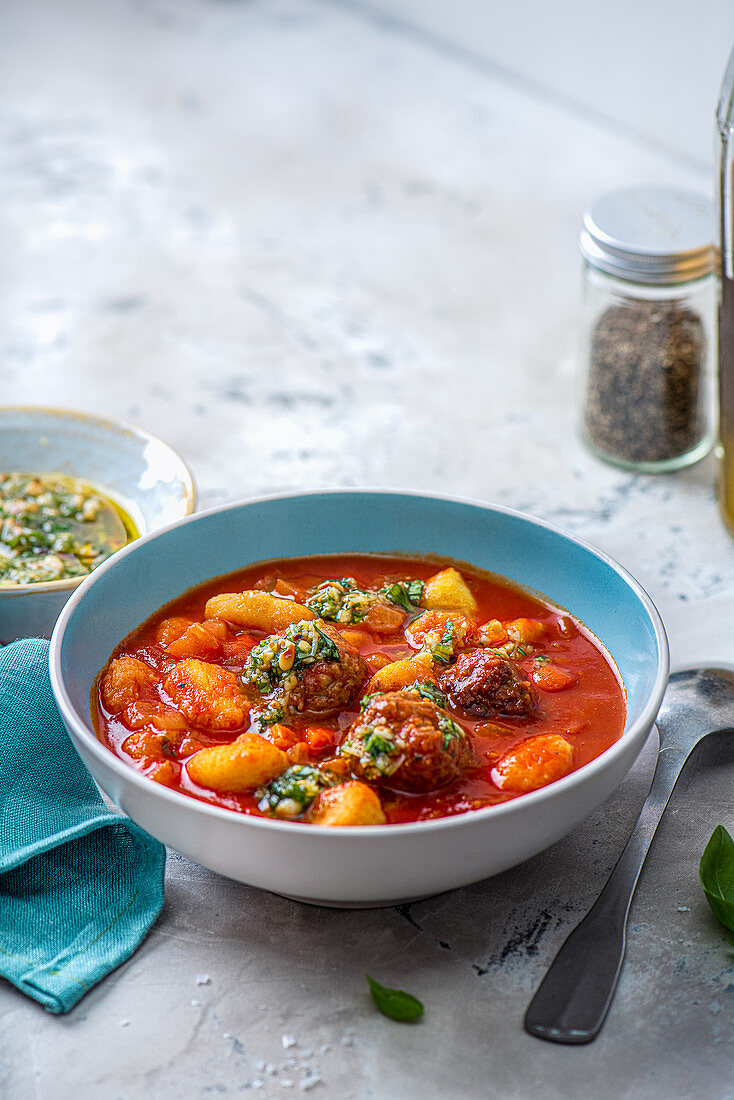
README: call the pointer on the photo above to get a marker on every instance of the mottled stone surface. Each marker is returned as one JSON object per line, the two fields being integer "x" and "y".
{"x": 308, "y": 249}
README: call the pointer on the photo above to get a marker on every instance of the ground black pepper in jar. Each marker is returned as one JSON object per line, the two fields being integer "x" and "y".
{"x": 647, "y": 349}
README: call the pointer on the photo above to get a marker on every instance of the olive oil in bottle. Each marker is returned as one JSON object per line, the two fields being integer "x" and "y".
{"x": 725, "y": 123}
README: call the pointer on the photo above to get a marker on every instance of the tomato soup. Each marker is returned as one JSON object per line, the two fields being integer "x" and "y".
{"x": 358, "y": 689}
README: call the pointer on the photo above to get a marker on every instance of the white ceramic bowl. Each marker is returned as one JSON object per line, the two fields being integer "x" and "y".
{"x": 141, "y": 473}
{"x": 370, "y": 865}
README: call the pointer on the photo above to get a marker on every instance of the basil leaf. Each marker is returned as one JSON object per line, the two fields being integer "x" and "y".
{"x": 394, "y": 1002}
{"x": 405, "y": 594}
{"x": 716, "y": 871}
{"x": 426, "y": 689}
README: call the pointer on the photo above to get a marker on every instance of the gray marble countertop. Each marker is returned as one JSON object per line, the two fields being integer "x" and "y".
{"x": 309, "y": 249}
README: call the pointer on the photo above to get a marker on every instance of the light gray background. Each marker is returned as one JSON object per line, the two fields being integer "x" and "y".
{"x": 321, "y": 243}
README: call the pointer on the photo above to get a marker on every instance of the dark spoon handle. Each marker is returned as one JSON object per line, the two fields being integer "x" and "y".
{"x": 574, "y": 997}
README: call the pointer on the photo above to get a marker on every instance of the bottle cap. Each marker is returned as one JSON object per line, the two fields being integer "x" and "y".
{"x": 652, "y": 235}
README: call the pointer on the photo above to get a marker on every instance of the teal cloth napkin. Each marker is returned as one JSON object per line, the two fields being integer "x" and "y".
{"x": 79, "y": 886}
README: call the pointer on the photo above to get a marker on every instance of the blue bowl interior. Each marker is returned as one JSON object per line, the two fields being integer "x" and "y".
{"x": 137, "y": 581}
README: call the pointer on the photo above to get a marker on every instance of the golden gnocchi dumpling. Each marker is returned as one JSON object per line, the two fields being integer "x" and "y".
{"x": 126, "y": 680}
{"x": 534, "y": 763}
{"x": 207, "y": 695}
{"x": 351, "y": 803}
{"x": 401, "y": 674}
{"x": 248, "y": 762}
{"x": 448, "y": 591}
{"x": 257, "y": 610}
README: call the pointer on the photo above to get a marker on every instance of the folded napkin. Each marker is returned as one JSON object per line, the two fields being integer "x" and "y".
{"x": 79, "y": 886}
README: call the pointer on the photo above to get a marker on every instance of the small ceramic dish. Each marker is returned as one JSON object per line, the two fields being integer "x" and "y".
{"x": 366, "y": 865}
{"x": 140, "y": 473}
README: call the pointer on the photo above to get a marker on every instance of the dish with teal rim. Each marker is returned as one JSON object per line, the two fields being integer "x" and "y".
{"x": 364, "y": 865}
{"x": 141, "y": 475}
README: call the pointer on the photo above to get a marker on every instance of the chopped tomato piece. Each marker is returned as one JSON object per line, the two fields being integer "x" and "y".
{"x": 203, "y": 640}
{"x": 383, "y": 619}
{"x": 236, "y": 650}
{"x": 320, "y": 738}
{"x": 298, "y": 754}
{"x": 171, "y": 629}
{"x": 376, "y": 661}
{"x": 166, "y": 773}
{"x": 524, "y": 630}
{"x": 283, "y": 588}
{"x": 549, "y": 677}
{"x": 356, "y": 638}
{"x": 567, "y": 627}
{"x": 283, "y": 737}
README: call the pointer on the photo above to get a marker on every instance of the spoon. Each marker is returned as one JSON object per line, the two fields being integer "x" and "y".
{"x": 573, "y": 999}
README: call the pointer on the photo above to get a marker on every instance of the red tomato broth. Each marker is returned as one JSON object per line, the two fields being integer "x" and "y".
{"x": 590, "y": 713}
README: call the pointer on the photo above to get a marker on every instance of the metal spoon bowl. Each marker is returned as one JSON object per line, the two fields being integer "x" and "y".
{"x": 573, "y": 999}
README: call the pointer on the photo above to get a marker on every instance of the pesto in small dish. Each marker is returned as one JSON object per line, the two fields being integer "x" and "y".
{"x": 54, "y": 527}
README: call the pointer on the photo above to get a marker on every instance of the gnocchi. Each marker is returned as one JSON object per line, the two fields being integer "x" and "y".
{"x": 245, "y": 763}
{"x": 257, "y": 610}
{"x": 351, "y": 803}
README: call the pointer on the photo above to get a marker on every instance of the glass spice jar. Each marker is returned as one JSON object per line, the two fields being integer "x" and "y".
{"x": 646, "y": 346}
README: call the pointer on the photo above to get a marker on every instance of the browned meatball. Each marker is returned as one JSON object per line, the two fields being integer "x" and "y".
{"x": 484, "y": 684}
{"x": 406, "y": 743}
{"x": 327, "y": 686}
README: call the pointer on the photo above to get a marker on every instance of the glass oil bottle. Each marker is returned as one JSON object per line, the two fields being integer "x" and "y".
{"x": 725, "y": 123}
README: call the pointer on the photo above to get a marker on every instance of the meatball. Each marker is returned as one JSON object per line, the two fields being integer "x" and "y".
{"x": 328, "y": 686}
{"x": 484, "y": 684}
{"x": 308, "y": 669}
{"x": 406, "y": 743}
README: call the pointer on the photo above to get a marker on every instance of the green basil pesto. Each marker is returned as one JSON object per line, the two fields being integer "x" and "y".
{"x": 54, "y": 527}
{"x": 405, "y": 594}
{"x": 293, "y": 791}
{"x": 375, "y": 748}
{"x": 341, "y": 601}
{"x": 441, "y": 648}
{"x": 276, "y": 662}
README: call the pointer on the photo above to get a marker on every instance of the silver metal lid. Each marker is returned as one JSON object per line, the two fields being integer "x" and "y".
{"x": 650, "y": 235}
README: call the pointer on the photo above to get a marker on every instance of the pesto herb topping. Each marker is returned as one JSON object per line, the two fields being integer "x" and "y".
{"x": 426, "y": 689}
{"x": 293, "y": 791}
{"x": 267, "y": 714}
{"x": 513, "y": 650}
{"x": 54, "y": 527}
{"x": 276, "y": 661}
{"x": 340, "y": 601}
{"x": 405, "y": 594}
{"x": 442, "y": 647}
{"x": 376, "y": 749}
{"x": 450, "y": 729}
